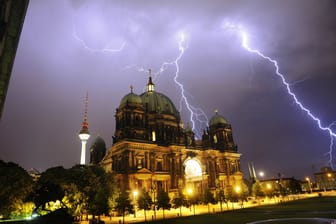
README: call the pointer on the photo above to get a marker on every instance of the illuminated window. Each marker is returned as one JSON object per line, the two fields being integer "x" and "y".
{"x": 153, "y": 136}
{"x": 215, "y": 139}
{"x": 139, "y": 165}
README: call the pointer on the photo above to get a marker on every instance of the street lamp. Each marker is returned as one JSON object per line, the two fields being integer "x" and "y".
{"x": 261, "y": 174}
{"x": 238, "y": 190}
{"x": 269, "y": 186}
{"x": 331, "y": 184}
{"x": 135, "y": 194}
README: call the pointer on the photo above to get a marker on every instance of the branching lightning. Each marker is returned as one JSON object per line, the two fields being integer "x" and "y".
{"x": 245, "y": 45}
{"x": 331, "y": 147}
{"x": 198, "y": 118}
{"x": 196, "y": 114}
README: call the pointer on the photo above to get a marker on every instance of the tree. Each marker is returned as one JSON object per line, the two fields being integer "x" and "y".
{"x": 100, "y": 203}
{"x": 84, "y": 180}
{"x": 123, "y": 204}
{"x": 49, "y": 188}
{"x": 15, "y": 185}
{"x": 57, "y": 175}
{"x": 179, "y": 201}
{"x": 221, "y": 198}
{"x": 257, "y": 191}
{"x": 209, "y": 198}
{"x": 79, "y": 186}
{"x": 193, "y": 199}
{"x": 294, "y": 186}
{"x": 244, "y": 193}
{"x": 163, "y": 201}
{"x": 144, "y": 201}
{"x": 46, "y": 193}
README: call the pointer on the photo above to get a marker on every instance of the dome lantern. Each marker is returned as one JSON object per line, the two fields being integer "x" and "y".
{"x": 150, "y": 85}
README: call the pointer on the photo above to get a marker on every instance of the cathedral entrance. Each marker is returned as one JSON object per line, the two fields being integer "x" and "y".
{"x": 193, "y": 175}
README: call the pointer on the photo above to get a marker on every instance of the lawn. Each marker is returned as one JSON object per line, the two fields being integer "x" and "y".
{"x": 318, "y": 207}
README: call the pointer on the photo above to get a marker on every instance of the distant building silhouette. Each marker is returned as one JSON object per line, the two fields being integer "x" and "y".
{"x": 97, "y": 151}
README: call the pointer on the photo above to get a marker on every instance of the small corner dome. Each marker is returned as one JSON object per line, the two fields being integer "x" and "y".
{"x": 218, "y": 120}
{"x": 130, "y": 99}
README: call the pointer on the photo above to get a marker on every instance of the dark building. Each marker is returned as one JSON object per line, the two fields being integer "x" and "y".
{"x": 281, "y": 186}
{"x": 12, "y": 14}
{"x": 152, "y": 150}
{"x": 326, "y": 179}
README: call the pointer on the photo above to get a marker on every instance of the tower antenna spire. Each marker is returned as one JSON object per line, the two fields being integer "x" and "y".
{"x": 84, "y": 133}
{"x": 85, "y": 120}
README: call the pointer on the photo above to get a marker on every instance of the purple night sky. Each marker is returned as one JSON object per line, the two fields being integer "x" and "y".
{"x": 70, "y": 47}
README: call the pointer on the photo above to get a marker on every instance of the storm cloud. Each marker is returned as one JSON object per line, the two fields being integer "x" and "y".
{"x": 70, "y": 47}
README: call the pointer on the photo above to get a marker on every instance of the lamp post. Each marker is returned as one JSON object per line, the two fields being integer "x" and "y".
{"x": 135, "y": 194}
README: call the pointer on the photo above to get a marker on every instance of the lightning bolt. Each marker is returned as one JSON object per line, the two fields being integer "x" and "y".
{"x": 331, "y": 147}
{"x": 197, "y": 116}
{"x": 96, "y": 50}
{"x": 245, "y": 45}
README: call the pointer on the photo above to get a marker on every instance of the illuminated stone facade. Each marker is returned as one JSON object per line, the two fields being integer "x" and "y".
{"x": 152, "y": 150}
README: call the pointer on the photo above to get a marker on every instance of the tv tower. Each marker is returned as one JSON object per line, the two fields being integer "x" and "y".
{"x": 84, "y": 134}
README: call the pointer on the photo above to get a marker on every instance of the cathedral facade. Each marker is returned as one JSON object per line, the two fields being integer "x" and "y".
{"x": 152, "y": 150}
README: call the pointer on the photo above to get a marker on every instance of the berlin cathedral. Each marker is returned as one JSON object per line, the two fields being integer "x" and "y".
{"x": 152, "y": 150}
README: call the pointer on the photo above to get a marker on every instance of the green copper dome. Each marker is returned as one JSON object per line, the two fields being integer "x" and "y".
{"x": 151, "y": 101}
{"x": 217, "y": 120}
{"x": 155, "y": 102}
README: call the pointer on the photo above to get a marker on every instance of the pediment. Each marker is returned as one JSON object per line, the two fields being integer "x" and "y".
{"x": 144, "y": 171}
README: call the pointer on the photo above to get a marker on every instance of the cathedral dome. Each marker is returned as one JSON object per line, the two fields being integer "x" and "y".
{"x": 217, "y": 120}
{"x": 130, "y": 99}
{"x": 156, "y": 102}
